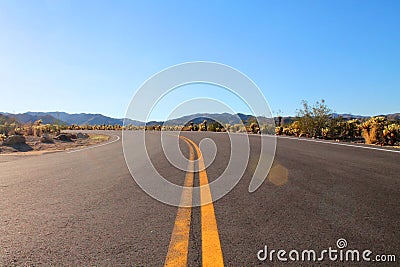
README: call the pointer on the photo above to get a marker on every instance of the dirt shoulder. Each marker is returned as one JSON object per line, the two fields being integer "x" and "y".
{"x": 34, "y": 145}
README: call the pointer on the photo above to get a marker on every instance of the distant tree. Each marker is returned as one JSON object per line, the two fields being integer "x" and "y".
{"x": 205, "y": 125}
{"x": 312, "y": 119}
{"x": 279, "y": 117}
{"x": 213, "y": 126}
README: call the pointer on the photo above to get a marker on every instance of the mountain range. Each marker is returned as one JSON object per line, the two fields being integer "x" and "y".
{"x": 68, "y": 119}
{"x": 99, "y": 119}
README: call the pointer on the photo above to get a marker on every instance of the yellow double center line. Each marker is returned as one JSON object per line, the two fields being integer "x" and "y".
{"x": 179, "y": 244}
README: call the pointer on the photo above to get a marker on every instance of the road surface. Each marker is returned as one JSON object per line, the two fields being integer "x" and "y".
{"x": 84, "y": 208}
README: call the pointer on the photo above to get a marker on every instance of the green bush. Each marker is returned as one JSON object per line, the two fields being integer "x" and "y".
{"x": 312, "y": 119}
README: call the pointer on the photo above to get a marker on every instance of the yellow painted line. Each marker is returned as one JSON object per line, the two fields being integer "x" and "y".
{"x": 179, "y": 244}
{"x": 211, "y": 245}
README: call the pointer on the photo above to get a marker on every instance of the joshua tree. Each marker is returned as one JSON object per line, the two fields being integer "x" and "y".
{"x": 205, "y": 125}
{"x": 279, "y": 121}
{"x": 279, "y": 117}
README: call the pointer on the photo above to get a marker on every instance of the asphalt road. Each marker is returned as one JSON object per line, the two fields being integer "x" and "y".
{"x": 84, "y": 208}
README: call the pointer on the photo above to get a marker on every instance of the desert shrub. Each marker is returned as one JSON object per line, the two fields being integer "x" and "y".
{"x": 187, "y": 128}
{"x": 253, "y": 127}
{"x": 312, "y": 119}
{"x": 292, "y": 129}
{"x": 335, "y": 128}
{"x": 237, "y": 127}
{"x": 190, "y": 126}
{"x": 195, "y": 127}
{"x": 130, "y": 127}
{"x": 287, "y": 131}
{"x": 391, "y": 133}
{"x": 295, "y": 128}
{"x": 49, "y": 128}
{"x": 7, "y": 125}
{"x": 278, "y": 130}
{"x": 4, "y": 129}
{"x": 353, "y": 129}
{"x": 214, "y": 126}
{"x": 8, "y": 128}
{"x": 372, "y": 130}
{"x": 267, "y": 128}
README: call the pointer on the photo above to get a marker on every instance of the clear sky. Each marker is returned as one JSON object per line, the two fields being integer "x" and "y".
{"x": 91, "y": 56}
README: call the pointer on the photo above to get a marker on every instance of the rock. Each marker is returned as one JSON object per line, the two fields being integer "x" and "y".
{"x": 14, "y": 140}
{"x": 46, "y": 139}
{"x": 66, "y": 137}
{"x": 82, "y": 135}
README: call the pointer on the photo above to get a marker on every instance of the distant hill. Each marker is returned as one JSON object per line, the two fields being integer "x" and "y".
{"x": 345, "y": 116}
{"x": 79, "y": 119}
{"x": 390, "y": 117}
{"x": 200, "y": 117}
{"x": 92, "y": 119}
{"x": 394, "y": 117}
{"x": 5, "y": 118}
{"x": 349, "y": 116}
{"x": 30, "y": 118}
{"x": 68, "y": 119}
{"x": 99, "y": 119}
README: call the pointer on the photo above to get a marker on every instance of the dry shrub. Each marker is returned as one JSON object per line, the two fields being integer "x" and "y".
{"x": 372, "y": 130}
{"x": 370, "y": 135}
{"x": 391, "y": 133}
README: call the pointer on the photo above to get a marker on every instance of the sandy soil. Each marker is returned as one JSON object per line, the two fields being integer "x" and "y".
{"x": 33, "y": 145}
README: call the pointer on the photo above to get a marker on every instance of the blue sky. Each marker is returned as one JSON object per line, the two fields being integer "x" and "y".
{"x": 91, "y": 56}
